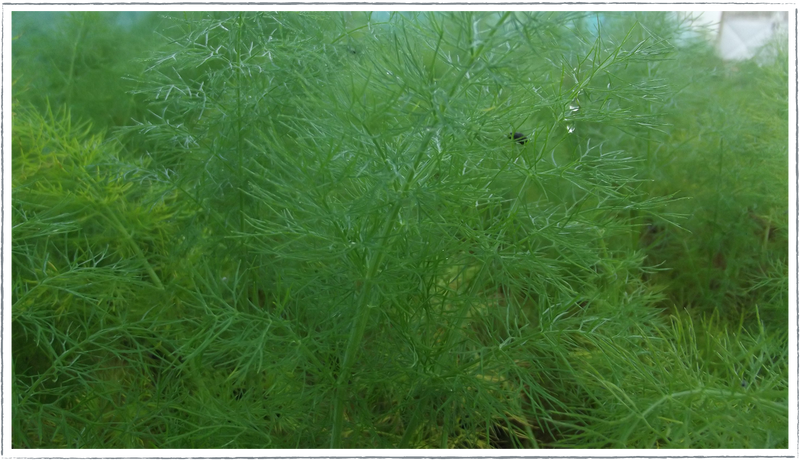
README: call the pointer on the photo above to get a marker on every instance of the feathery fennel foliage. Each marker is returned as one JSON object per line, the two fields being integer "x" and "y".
{"x": 330, "y": 241}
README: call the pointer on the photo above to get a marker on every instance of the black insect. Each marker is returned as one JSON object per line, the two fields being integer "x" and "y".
{"x": 519, "y": 137}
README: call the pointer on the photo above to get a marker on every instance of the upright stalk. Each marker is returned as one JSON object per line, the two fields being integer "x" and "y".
{"x": 375, "y": 260}
{"x": 363, "y": 309}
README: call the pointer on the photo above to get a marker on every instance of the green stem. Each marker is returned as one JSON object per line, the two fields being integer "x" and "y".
{"x": 121, "y": 228}
{"x": 375, "y": 261}
{"x": 364, "y": 304}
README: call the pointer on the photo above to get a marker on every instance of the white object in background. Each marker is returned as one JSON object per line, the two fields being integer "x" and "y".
{"x": 740, "y": 33}
{"x": 743, "y": 33}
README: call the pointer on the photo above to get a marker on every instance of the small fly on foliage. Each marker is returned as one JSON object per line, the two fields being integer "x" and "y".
{"x": 519, "y": 137}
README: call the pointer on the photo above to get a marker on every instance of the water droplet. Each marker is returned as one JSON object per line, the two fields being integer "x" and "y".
{"x": 571, "y": 128}
{"x": 574, "y": 106}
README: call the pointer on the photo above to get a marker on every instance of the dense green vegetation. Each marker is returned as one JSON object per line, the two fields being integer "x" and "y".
{"x": 311, "y": 230}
